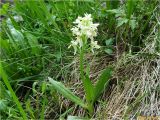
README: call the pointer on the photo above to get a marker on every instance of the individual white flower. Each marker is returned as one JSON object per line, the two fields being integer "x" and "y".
{"x": 88, "y": 16}
{"x": 94, "y": 45}
{"x": 91, "y": 34}
{"x": 95, "y": 25}
{"x": 76, "y": 31}
{"x": 74, "y": 45}
{"x": 78, "y": 20}
{"x": 80, "y": 41}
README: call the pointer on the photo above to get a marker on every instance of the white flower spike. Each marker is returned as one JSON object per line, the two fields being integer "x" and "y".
{"x": 84, "y": 28}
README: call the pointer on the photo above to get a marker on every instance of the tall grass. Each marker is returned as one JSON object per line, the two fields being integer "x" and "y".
{"x": 7, "y": 83}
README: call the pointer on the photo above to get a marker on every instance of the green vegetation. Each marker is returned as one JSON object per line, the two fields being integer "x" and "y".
{"x": 115, "y": 76}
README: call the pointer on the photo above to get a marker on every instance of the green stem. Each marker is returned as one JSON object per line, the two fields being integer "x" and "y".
{"x": 90, "y": 108}
{"x": 81, "y": 64}
{"x": 5, "y": 79}
{"x": 90, "y": 105}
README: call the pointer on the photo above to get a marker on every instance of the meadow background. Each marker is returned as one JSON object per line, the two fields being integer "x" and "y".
{"x": 35, "y": 35}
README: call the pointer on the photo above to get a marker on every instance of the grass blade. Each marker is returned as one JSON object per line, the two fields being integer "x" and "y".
{"x": 5, "y": 79}
{"x": 130, "y": 8}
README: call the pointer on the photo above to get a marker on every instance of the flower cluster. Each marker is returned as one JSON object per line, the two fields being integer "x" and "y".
{"x": 83, "y": 30}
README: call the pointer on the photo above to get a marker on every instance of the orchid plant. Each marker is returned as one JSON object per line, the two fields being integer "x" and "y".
{"x": 84, "y": 32}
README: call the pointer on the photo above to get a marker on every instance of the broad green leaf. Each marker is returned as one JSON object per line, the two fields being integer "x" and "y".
{"x": 66, "y": 92}
{"x": 121, "y": 21}
{"x": 108, "y": 51}
{"x": 89, "y": 89}
{"x": 14, "y": 23}
{"x": 109, "y": 41}
{"x": 117, "y": 12}
{"x": 12, "y": 44}
{"x": 113, "y": 11}
{"x": 133, "y": 24}
{"x": 33, "y": 42}
{"x": 76, "y": 118}
{"x": 58, "y": 56}
{"x": 16, "y": 34}
{"x": 102, "y": 82}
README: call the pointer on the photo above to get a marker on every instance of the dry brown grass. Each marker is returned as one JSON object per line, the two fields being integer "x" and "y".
{"x": 134, "y": 88}
{"x": 138, "y": 85}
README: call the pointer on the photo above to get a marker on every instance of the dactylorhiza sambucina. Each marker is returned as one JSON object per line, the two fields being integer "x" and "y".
{"x": 84, "y": 30}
